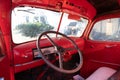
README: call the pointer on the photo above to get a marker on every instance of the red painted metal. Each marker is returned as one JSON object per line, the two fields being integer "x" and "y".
{"x": 95, "y": 54}
{"x": 21, "y": 63}
{"x": 7, "y": 66}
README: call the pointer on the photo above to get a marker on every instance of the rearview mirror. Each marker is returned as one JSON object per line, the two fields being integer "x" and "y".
{"x": 73, "y": 17}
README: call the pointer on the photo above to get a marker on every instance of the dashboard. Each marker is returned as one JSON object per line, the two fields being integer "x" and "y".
{"x": 26, "y": 55}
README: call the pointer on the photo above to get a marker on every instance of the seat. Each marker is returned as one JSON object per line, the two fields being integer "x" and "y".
{"x": 102, "y": 73}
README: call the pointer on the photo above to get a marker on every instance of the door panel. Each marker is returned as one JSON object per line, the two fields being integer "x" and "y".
{"x": 104, "y": 52}
{"x": 99, "y": 54}
{"x": 102, "y": 48}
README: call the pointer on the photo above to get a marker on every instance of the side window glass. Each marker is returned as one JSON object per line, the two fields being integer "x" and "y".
{"x": 106, "y": 30}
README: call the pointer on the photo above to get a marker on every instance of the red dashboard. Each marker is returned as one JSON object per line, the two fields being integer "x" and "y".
{"x": 26, "y": 55}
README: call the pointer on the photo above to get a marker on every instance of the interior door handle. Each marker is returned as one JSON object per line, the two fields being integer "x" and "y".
{"x": 110, "y": 46}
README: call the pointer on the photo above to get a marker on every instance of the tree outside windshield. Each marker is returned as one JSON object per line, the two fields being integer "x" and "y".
{"x": 28, "y": 23}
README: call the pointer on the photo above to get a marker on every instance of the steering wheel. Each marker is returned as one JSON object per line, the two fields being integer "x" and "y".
{"x": 60, "y": 51}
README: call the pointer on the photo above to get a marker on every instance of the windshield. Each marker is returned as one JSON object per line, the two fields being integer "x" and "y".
{"x": 28, "y": 23}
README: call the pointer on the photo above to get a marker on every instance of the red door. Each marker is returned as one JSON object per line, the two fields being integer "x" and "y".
{"x": 102, "y": 47}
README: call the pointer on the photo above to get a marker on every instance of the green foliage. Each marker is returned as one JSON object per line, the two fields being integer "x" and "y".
{"x": 33, "y": 29}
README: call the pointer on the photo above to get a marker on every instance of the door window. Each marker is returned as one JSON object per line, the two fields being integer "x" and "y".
{"x": 106, "y": 30}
